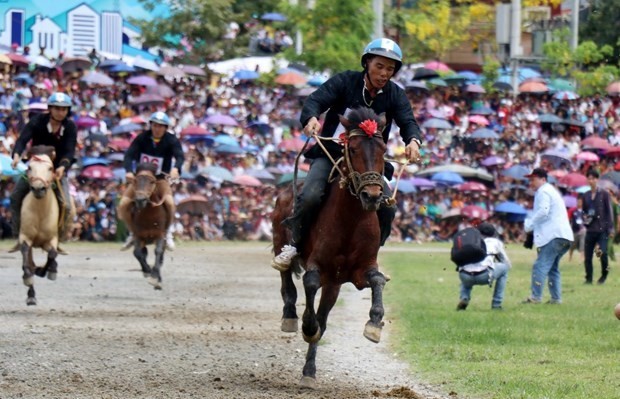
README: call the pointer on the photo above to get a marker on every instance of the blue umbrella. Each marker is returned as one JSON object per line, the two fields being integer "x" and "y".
{"x": 126, "y": 128}
{"x": 273, "y": 16}
{"x": 7, "y": 170}
{"x": 549, "y": 118}
{"x": 207, "y": 140}
{"x": 447, "y": 178}
{"x": 216, "y": 171}
{"x": 436, "y": 123}
{"x": 122, "y": 68}
{"x": 109, "y": 63}
{"x": 24, "y": 78}
{"x": 481, "y": 111}
{"x": 88, "y": 161}
{"x": 484, "y": 133}
{"x": 246, "y": 74}
{"x": 404, "y": 186}
{"x": 317, "y": 80}
{"x": 510, "y": 207}
{"x": 516, "y": 172}
{"x": 224, "y": 139}
{"x": 229, "y": 149}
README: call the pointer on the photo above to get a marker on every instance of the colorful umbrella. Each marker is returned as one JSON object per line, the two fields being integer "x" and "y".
{"x": 595, "y": 142}
{"x": 471, "y": 186}
{"x": 474, "y": 212}
{"x": 294, "y": 144}
{"x": 142, "y": 80}
{"x": 97, "y": 78}
{"x": 290, "y": 79}
{"x": 247, "y": 180}
{"x": 194, "y": 130}
{"x": 613, "y": 88}
{"x": 510, "y": 207}
{"x": 99, "y": 172}
{"x": 436, "y": 123}
{"x": 221, "y": 119}
{"x": 216, "y": 171}
{"x": 533, "y": 87}
{"x": 566, "y": 95}
{"x": 447, "y": 178}
{"x": 483, "y": 134}
{"x": 573, "y": 180}
{"x": 479, "y": 120}
{"x": 474, "y": 88}
{"x": 437, "y": 66}
{"x": 493, "y": 160}
{"x": 587, "y": 156}
{"x": 424, "y": 73}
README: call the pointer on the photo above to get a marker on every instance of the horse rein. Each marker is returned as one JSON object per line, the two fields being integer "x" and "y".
{"x": 153, "y": 179}
{"x": 46, "y": 183}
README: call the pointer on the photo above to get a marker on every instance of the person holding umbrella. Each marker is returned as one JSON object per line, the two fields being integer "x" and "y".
{"x": 372, "y": 87}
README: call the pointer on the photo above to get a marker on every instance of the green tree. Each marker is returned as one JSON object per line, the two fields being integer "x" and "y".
{"x": 334, "y": 33}
{"x": 601, "y": 22}
{"x": 595, "y": 80}
{"x": 490, "y": 71}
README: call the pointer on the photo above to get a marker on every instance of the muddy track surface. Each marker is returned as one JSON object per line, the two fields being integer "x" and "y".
{"x": 100, "y": 331}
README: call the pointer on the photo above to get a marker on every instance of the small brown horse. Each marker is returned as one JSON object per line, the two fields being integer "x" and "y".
{"x": 39, "y": 219}
{"x": 149, "y": 222}
{"x": 343, "y": 241}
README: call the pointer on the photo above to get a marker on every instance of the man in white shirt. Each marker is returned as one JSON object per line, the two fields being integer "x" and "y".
{"x": 552, "y": 237}
{"x": 492, "y": 268}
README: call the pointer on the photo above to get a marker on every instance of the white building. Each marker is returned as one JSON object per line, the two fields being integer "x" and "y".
{"x": 14, "y": 28}
{"x": 83, "y": 30}
{"x": 47, "y": 34}
{"x": 112, "y": 33}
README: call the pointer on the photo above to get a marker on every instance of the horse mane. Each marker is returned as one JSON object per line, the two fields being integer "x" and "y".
{"x": 48, "y": 150}
{"x": 146, "y": 166}
{"x": 360, "y": 114}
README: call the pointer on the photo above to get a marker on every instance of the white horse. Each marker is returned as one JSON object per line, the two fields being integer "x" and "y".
{"x": 39, "y": 219}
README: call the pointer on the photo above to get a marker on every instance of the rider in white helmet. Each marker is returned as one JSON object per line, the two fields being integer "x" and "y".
{"x": 372, "y": 87}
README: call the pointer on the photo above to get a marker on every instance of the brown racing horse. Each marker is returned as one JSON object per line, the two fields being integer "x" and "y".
{"x": 149, "y": 221}
{"x": 344, "y": 239}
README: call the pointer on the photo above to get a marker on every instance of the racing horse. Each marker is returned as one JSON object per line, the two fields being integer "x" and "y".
{"x": 343, "y": 241}
{"x": 149, "y": 221}
{"x": 40, "y": 215}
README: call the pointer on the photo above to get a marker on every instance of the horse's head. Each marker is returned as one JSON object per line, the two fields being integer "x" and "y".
{"x": 41, "y": 170}
{"x": 364, "y": 149}
{"x": 144, "y": 184}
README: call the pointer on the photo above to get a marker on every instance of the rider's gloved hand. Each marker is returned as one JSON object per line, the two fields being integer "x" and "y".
{"x": 313, "y": 126}
{"x": 174, "y": 174}
{"x": 16, "y": 159}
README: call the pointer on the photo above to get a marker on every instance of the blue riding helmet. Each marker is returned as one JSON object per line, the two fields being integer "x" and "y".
{"x": 160, "y": 118}
{"x": 59, "y": 99}
{"x": 385, "y": 48}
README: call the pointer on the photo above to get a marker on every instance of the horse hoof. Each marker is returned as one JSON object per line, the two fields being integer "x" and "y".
{"x": 52, "y": 276}
{"x": 28, "y": 281}
{"x": 31, "y": 301}
{"x": 307, "y": 382}
{"x": 289, "y": 325}
{"x": 372, "y": 332}
{"x": 313, "y": 339}
{"x": 40, "y": 271}
{"x": 155, "y": 283}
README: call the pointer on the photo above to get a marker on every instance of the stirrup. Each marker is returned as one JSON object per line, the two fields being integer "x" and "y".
{"x": 282, "y": 262}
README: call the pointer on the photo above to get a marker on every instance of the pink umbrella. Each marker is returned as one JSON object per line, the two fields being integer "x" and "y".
{"x": 587, "y": 156}
{"x": 613, "y": 88}
{"x": 595, "y": 142}
{"x": 558, "y": 173}
{"x": 475, "y": 89}
{"x": 437, "y": 66}
{"x": 119, "y": 144}
{"x": 573, "y": 180}
{"x": 471, "y": 186}
{"x": 247, "y": 180}
{"x": 97, "y": 172}
{"x": 479, "y": 119}
{"x": 474, "y": 212}
{"x": 533, "y": 86}
{"x": 194, "y": 130}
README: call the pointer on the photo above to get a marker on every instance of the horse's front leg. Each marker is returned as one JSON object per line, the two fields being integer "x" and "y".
{"x": 289, "y": 297}
{"x": 140, "y": 252}
{"x": 372, "y": 331}
{"x": 310, "y": 325}
{"x": 28, "y": 268}
{"x": 51, "y": 266}
{"x": 155, "y": 279}
{"x": 329, "y": 296}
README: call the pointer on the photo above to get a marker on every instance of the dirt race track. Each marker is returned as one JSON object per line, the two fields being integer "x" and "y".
{"x": 100, "y": 331}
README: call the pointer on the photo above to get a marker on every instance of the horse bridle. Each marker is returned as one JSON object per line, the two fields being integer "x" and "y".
{"x": 154, "y": 180}
{"x": 31, "y": 179}
{"x": 357, "y": 181}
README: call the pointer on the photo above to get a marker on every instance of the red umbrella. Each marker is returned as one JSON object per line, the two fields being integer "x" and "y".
{"x": 471, "y": 186}
{"x": 294, "y": 144}
{"x": 533, "y": 87}
{"x": 97, "y": 172}
{"x": 119, "y": 144}
{"x": 291, "y": 79}
{"x": 573, "y": 180}
{"x": 612, "y": 151}
{"x": 194, "y": 130}
{"x": 247, "y": 180}
{"x": 595, "y": 142}
{"x": 18, "y": 59}
{"x": 474, "y": 212}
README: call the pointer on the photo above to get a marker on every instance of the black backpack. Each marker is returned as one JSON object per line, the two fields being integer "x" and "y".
{"x": 468, "y": 247}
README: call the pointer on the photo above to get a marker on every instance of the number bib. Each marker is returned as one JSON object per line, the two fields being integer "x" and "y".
{"x": 159, "y": 161}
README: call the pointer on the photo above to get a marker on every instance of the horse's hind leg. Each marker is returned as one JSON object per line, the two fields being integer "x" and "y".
{"x": 155, "y": 279}
{"x": 329, "y": 295}
{"x": 289, "y": 297}
{"x": 27, "y": 264}
{"x": 140, "y": 252}
{"x": 372, "y": 331}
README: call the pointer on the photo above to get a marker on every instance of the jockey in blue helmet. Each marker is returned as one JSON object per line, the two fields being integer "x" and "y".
{"x": 372, "y": 88}
{"x": 163, "y": 149}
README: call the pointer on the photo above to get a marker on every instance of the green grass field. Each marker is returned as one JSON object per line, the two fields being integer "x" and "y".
{"x": 525, "y": 351}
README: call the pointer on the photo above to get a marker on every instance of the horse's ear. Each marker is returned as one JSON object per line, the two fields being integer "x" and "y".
{"x": 382, "y": 121}
{"x": 345, "y": 122}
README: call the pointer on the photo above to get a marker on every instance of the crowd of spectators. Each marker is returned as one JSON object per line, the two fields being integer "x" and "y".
{"x": 217, "y": 199}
